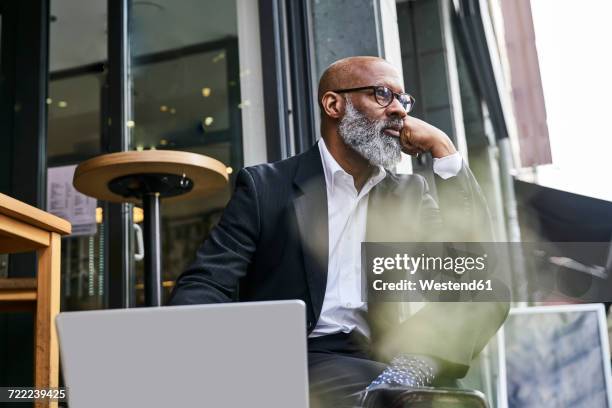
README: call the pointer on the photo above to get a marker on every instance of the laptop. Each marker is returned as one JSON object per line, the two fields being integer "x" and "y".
{"x": 250, "y": 354}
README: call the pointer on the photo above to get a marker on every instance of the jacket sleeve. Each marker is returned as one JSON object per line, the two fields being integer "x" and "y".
{"x": 225, "y": 256}
{"x": 460, "y": 213}
{"x": 452, "y": 332}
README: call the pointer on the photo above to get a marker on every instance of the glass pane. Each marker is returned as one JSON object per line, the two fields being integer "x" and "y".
{"x": 77, "y": 54}
{"x": 194, "y": 109}
{"x": 187, "y": 84}
{"x": 74, "y": 117}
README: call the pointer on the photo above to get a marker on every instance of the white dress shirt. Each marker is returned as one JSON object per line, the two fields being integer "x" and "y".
{"x": 347, "y": 210}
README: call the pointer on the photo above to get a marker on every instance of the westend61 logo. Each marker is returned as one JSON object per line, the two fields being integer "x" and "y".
{"x": 486, "y": 271}
{"x": 413, "y": 264}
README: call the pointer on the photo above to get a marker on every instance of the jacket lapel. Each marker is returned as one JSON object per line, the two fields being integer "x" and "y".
{"x": 310, "y": 205}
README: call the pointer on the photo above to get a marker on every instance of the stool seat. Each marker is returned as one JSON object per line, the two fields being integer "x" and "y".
{"x": 95, "y": 176}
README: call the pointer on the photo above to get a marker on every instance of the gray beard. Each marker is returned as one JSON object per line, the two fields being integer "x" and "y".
{"x": 367, "y": 138}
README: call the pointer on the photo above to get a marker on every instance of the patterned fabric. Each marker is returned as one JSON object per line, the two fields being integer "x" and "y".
{"x": 410, "y": 371}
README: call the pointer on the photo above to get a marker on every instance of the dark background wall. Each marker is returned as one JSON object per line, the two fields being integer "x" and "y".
{"x": 23, "y": 90}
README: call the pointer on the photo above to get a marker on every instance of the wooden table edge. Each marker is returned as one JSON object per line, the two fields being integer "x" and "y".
{"x": 33, "y": 216}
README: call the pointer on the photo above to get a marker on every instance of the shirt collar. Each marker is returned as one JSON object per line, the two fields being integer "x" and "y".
{"x": 331, "y": 169}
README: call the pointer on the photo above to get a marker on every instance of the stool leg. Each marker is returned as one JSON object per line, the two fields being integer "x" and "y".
{"x": 152, "y": 230}
{"x": 47, "y": 305}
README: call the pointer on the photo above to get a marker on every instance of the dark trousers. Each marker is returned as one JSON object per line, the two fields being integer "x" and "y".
{"x": 339, "y": 369}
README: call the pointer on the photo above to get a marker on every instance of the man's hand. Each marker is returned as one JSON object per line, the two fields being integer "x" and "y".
{"x": 418, "y": 136}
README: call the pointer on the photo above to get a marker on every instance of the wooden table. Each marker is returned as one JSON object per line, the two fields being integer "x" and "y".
{"x": 148, "y": 176}
{"x": 26, "y": 228}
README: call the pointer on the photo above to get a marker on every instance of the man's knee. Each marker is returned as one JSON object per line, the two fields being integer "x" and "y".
{"x": 336, "y": 380}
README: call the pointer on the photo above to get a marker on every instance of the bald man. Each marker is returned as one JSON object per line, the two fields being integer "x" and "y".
{"x": 293, "y": 229}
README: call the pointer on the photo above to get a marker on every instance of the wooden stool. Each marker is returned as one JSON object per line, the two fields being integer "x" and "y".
{"x": 26, "y": 228}
{"x": 147, "y": 176}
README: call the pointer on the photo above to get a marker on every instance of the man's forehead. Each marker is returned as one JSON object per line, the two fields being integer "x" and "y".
{"x": 377, "y": 73}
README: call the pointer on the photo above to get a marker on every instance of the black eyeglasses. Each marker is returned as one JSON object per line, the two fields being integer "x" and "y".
{"x": 384, "y": 96}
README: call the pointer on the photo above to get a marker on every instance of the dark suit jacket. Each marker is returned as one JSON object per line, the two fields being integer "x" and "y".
{"x": 272, "y": 244}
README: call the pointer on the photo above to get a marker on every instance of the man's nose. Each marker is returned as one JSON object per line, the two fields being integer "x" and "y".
{"x": 396, "y": 110}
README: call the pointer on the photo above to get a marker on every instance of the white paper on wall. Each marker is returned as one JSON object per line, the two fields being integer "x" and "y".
{"x": 66, "y": 202}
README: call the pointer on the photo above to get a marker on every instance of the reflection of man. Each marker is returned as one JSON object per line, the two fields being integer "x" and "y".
{"x": 293, "y": 229}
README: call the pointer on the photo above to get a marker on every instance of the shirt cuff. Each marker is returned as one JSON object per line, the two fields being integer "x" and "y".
{"x": 448, "y": 166}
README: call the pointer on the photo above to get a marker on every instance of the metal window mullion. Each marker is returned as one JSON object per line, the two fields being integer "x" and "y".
{"x": 27, "y": 55}
{"x": 274, "y": 77}
{"x": 120, "y": 265}
{"x": 300, "y": 66}
{"x": 285, "y": 82}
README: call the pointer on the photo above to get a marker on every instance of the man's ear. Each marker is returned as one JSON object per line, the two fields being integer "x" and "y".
{"x": 333, "y": 104}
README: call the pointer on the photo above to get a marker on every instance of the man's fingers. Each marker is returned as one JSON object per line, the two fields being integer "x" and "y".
{"x": 410, "y": 148}
{"x": 413, "y": 151}
{"x": 406, "y": 135}
{"x": 407, "y": 142}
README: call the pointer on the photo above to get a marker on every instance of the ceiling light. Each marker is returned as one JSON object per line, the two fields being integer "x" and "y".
{"x": 218, "y": 57}
{"x": 62, "y": 104}
{"x": 206, "y": 92}
{"x": 137, "y": 215}
{"x": 244, "y": 104}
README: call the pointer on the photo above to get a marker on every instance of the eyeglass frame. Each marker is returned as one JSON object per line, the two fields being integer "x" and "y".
{"x": 396, "y": 95}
